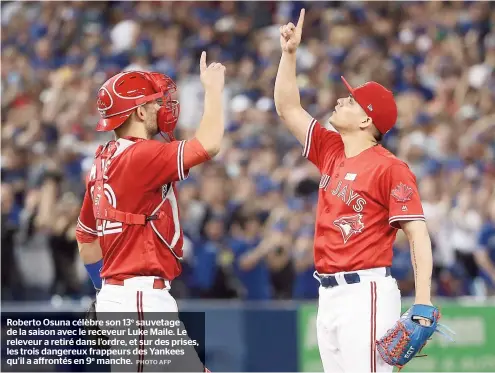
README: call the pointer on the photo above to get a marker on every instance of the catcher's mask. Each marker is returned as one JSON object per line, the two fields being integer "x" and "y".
{"x": 120, "y": 95}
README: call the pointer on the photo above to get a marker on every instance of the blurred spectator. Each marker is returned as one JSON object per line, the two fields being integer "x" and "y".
{"x": 250, "y": 251}
{"x": 212, "y": 269}
{"x": 305, "y": 286}
{"x": 465, "y": 225}
{"x": 57, "y": 217}
{"x": 485, "y": 255}
{"x": 249, "y": 214}
{"x": 10, "y": 273}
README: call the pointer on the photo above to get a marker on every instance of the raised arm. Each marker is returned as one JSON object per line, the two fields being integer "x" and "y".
{"x": 211, "y": 129}
{"x": 287, "y": 99}
{"x": 170, "y": 162}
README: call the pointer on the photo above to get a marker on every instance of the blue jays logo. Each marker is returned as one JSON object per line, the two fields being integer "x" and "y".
{"x": 349, "y": 225}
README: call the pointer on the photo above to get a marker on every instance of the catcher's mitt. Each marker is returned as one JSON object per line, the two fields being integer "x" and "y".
{"x": 91, "y": 315}
{"x": 408, "y": 337}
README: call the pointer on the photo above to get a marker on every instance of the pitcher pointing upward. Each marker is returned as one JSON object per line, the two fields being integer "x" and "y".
{"x": 366, "y": 194}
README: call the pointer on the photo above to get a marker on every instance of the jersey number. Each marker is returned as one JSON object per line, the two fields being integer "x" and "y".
{"x": 104, "y": 227}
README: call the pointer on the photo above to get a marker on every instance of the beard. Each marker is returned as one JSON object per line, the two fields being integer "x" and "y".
{"x": 151, "y": 128}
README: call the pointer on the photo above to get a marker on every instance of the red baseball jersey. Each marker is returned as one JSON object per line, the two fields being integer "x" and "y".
{"x": 361, "y": 201}
{"x": 139, "y": 178}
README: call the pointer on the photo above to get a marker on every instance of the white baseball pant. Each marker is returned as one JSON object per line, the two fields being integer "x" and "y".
{"x": 351, "y": 317}
{"x": 138, "y": 300}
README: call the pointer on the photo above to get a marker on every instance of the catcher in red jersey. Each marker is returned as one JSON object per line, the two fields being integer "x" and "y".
{"x": 365, "y": 196}
{"x": 129, "y": 231}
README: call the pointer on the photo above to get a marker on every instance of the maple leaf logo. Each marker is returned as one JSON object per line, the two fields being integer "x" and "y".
{"x": 402, "y": 193}
{"x": 349, "y": 225}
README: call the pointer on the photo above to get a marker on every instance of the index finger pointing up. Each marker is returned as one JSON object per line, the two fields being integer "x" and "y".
{"x": 301, "y": 19}
{"x": 202, "y": 61}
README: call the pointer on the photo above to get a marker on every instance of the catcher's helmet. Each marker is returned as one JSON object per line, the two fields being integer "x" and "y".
{"x": 120, "y": 95}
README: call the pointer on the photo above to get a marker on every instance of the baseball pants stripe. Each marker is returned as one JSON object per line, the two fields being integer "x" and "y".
{"x": 373, "y": 325}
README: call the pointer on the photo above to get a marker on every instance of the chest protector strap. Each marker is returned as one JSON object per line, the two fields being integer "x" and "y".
{"x": 102, "y": 208}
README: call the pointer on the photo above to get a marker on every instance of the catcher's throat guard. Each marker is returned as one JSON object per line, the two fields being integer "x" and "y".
{"x": 103, "y": 210}
{"x": 120, "y": 95}
{"x": 408, "y": 337}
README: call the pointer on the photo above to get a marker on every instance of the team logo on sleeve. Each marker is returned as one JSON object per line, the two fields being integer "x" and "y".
{"x": 402, "y": 193}
{"x": 349, "y": 225}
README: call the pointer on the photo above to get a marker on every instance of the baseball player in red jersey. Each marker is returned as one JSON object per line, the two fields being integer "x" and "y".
{"x": 129, "y": 231}
{"x": 366, "y": 194}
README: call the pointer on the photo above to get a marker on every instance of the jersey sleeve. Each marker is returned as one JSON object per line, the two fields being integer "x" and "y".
{"x": 320, "y": 143}
{"x": 167, "y": 162}
{"x": 404, "y": 202}
{"x": 86, "y": 223}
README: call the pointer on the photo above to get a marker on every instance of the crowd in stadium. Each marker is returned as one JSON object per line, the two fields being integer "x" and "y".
{"x": 248, "y": 215}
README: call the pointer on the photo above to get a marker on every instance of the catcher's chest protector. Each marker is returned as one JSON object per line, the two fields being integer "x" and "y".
{"x": 163, "y": 220}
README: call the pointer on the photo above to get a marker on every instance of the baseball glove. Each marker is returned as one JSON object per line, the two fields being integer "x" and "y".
{"x": 91, "y": 315}
{"x": 408, "y": 337}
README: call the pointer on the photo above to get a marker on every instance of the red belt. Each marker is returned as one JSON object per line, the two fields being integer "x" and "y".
{"x": 158, "y": 283}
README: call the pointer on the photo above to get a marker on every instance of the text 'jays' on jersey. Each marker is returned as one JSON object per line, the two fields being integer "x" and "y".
{"x": 140, "y": 178}
{"x": 361, "y": 201}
